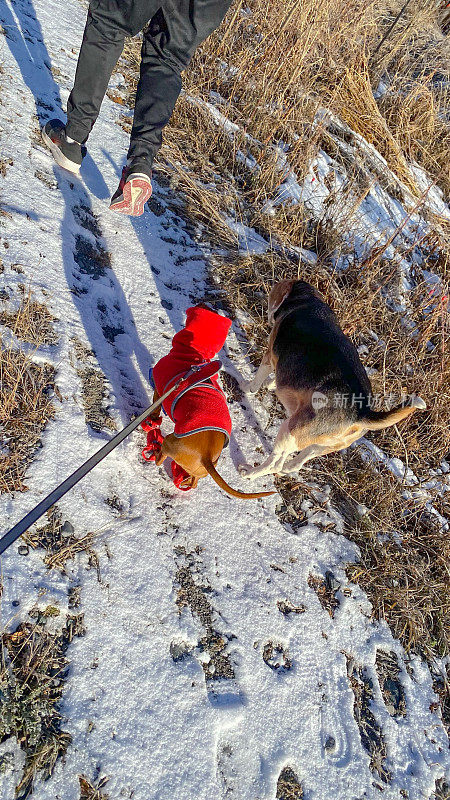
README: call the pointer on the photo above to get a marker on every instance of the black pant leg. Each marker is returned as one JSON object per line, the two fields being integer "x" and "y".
{"x": 157, "y": 91}
{"x": 100, "y": 50}
{"x": 170, "y": 41}
{"x": 108, "y": 22}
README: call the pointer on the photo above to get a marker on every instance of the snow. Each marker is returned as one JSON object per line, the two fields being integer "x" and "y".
{"x": 150, "y": 723}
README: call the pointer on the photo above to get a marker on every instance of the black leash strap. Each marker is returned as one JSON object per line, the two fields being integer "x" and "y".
{"x": 76, "y": 476}
{"x": 79, "y": 473}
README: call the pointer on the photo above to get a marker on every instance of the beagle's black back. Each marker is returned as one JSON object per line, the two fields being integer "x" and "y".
{"x": 314, "y": 353}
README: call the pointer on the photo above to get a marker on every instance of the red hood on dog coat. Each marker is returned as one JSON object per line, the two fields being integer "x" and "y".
{"x": 202, "y": 407}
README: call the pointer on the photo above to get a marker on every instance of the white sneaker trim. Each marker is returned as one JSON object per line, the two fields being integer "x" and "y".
{"x": 59, "y": 157}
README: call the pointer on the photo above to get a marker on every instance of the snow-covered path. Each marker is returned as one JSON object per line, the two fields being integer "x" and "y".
{"x": 186, "y": 581}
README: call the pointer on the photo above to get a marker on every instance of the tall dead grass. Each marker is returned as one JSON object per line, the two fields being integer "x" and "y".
{"x": 274, "y": 71}
{"x": 276, "y": 66}
{"x": 414, "y": 64}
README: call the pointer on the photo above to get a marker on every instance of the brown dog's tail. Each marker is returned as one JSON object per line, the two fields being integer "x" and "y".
{"x": 228, "y": 489}
{"x": 377, "y": 420}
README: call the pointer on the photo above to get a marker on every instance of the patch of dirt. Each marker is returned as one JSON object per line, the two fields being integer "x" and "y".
{"x": 388, "y": 672}
{"x": 94, "y": 392}
{"x": 290, "y": 511}
{"x": 193, "y": 595}
{"x": 74, "y": 598}
{"x": 46, "y": 179}
{"x": 4, "y": 164}
{"x": 276, "y": 657}
{"x": 114, "y": 502}
{"x": 286, "y": 608}
{"x": 33, "y": 668}
{"x": 92, "y": 791}
{"x": 35, "y": 132}
{"x": 92, "y": 260}
{"x": 110, "y": 332}
{"x": 233, "y": 392}
{"x": 288, "y": 786}
{"x": 372, "y": 738}
{"x": 58, "y": 538}
{"x": 87, "y": 219}
{"x": 325, "y": 589}
{"x": 441, "y": 685}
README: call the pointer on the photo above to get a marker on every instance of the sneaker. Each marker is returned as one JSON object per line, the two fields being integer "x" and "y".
{"x": 68, "y": 155}
{"x": 133, "y": 191}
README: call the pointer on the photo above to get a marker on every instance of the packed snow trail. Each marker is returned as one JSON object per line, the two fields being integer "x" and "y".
{"x": 209, "y": 663}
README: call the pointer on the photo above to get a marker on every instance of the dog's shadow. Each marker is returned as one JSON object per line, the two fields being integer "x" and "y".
{"x": 234, "y": 394}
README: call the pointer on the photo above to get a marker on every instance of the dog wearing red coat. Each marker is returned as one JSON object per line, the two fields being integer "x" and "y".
{"x": 200, "y": 414}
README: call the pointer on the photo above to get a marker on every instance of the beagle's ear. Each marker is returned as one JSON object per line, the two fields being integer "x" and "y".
{"x": 278, "y": 295}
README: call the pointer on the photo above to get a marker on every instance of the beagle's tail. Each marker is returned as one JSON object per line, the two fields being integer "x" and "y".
{"x": 228, "y": 489}
{"x": 377, "y": 420}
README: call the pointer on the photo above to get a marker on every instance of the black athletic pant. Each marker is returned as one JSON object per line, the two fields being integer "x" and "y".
{"x": 175, "y": 30}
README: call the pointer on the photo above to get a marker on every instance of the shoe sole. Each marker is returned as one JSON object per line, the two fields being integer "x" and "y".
{"x": 59, "y": 157}
{"x": 135, "y": 194}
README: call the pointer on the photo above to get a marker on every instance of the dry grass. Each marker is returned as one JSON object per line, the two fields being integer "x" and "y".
{"x": 89, "y": 791}
{"x": 407, "y": 584}
{"x": 370, "y": 731}
{"x": 405, "y": 363}
{"x": 416, "y": 58}
{"x": 58, "y": 539}
{"x": 274, "y": 69}
{"x": 32, "y": 665}
{"x": 353, "y": 100}
{"x": 288, "y": 786}
{"x": 25, "y": 388}
{"x": 31, "y": 322}
{"x": 404, "y": 552}
{"x": 25, "y": 409}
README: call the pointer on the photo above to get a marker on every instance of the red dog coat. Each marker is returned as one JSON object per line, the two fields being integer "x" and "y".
{"x": 202, "y": 407}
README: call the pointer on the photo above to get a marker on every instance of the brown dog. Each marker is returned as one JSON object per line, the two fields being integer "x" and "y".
{"x": 199, "y": 412}
{"x": 318, "y": 378}
{"x": 198, "y": 454}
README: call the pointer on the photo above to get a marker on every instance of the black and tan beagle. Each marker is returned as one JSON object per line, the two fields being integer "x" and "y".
{"x": 319, "y": 379}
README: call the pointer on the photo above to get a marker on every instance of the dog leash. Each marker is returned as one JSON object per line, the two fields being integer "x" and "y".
{"x": 33, "y": 515}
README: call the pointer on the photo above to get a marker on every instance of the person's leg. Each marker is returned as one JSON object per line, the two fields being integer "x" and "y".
{"x": 106, "y": 27}
{"x": 102, "y": 44}
{"x": 173, "y": 35}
